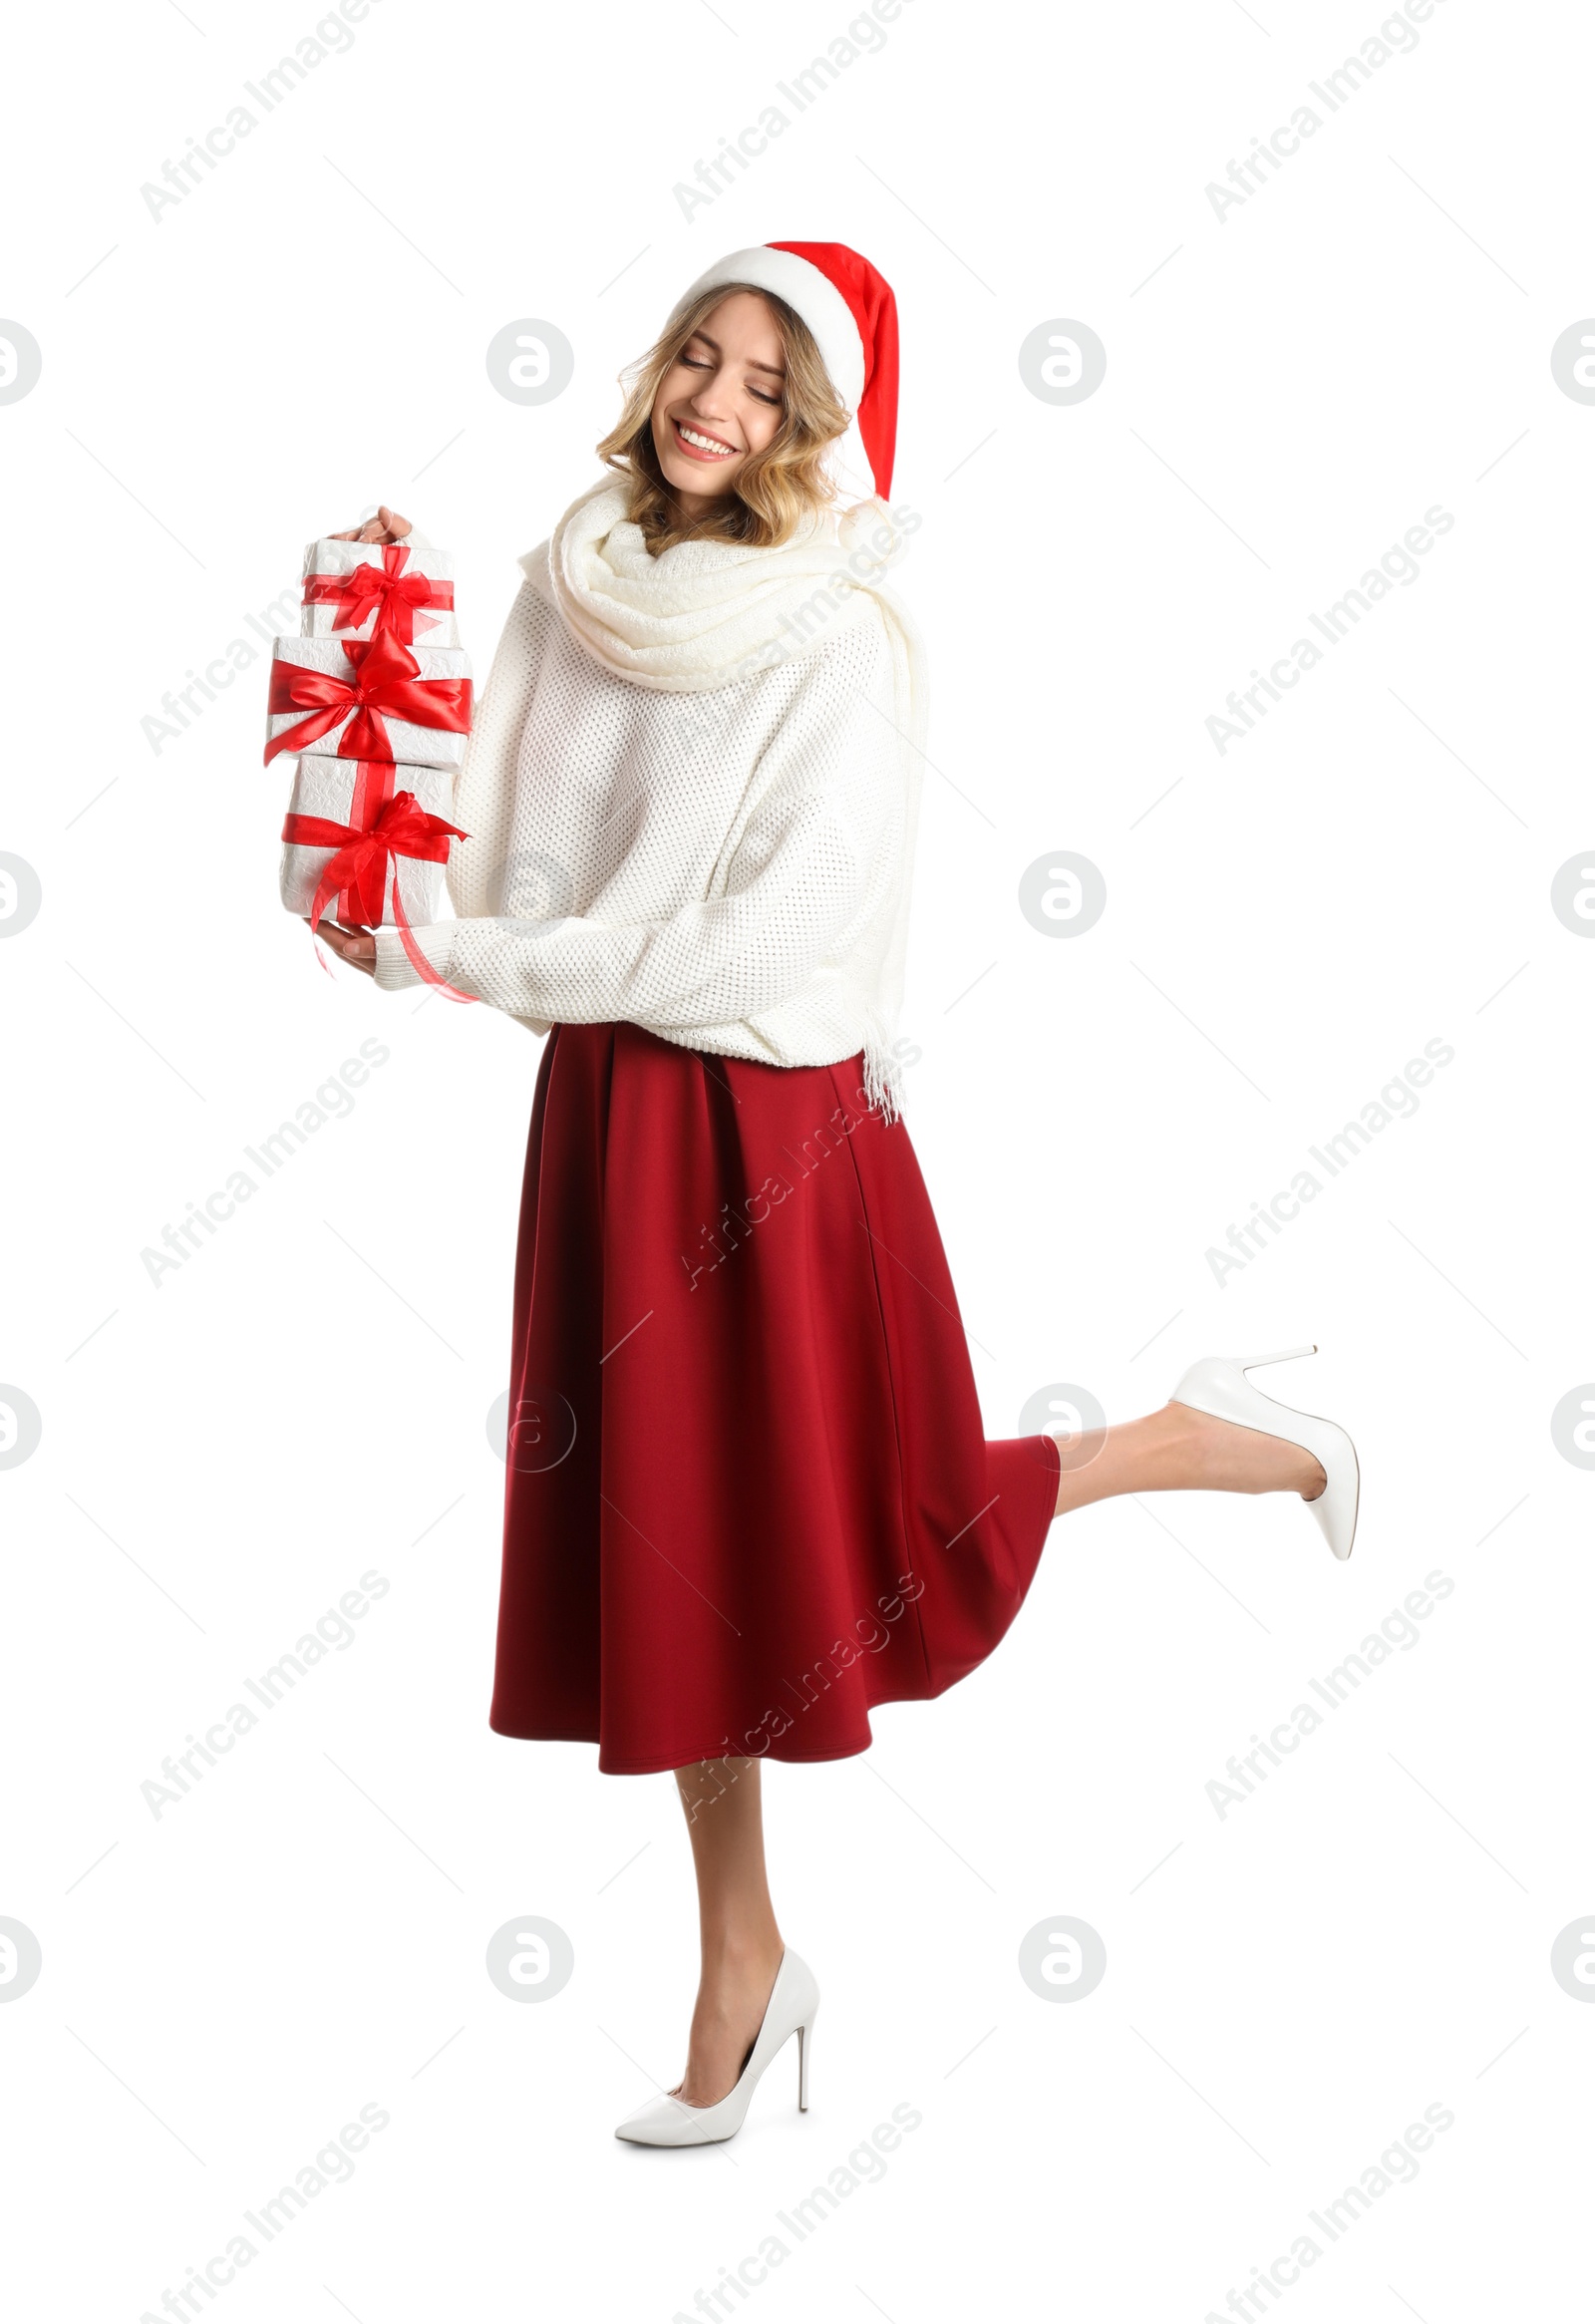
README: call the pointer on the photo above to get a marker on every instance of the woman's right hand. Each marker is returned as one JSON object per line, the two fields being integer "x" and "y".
{"x": 355, "y": 944}
{"x": 384, "y": 529}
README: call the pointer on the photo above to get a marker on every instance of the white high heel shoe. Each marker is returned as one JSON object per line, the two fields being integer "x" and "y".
{"x": 1218, "y": 1385}
{"x": 791, "y": 2008}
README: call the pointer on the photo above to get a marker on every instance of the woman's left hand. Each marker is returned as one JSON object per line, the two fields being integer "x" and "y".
{"x": 383, "y": 530}
{"x": 355, "y": 945}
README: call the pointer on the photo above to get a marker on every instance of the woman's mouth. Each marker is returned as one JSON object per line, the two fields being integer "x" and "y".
{"x": 696, "y": 446}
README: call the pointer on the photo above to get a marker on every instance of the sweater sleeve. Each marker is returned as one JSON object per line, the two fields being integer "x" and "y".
{"x": 806, "y": 871}
{"x": 485, "y": 790}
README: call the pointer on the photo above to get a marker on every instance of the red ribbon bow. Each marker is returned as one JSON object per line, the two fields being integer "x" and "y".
{"x": 365, "y": 858}
{"x": 396, "y": 596}
{"x": 387, "y": 683}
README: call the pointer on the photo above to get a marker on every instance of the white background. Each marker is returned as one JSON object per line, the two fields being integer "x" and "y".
{"x": 1287, "y": 391}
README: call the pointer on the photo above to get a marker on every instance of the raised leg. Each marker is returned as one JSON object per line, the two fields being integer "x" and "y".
{"x": 740, "y": 1944}
{"x": 1180, "y": 1449}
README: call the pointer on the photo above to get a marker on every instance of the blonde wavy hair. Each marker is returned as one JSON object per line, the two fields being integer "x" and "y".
{"x": 775, "y": 489}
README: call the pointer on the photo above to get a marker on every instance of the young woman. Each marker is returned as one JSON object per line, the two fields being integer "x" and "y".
{"x": 748, "y": 1493}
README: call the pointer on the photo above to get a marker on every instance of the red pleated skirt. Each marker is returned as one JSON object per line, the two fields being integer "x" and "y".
{"x": 748, "y": 1489}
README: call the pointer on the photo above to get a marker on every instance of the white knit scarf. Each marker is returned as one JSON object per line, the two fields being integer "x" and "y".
{"x": 709, "y": 613}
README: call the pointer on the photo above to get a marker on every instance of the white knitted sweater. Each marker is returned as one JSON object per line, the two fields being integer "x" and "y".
{"x": 725, "y": 862}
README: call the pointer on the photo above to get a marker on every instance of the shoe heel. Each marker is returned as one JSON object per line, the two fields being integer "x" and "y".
{"x": 1280, "y": 1356}
{"x": 806, "y": 2035}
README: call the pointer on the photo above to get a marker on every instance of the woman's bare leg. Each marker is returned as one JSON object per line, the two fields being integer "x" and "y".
{"x": 1180, "y": 1449}
{"x": 740, "y": 1944}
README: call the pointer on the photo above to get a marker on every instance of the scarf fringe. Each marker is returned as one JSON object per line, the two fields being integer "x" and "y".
{"x": 883, "y": 1075}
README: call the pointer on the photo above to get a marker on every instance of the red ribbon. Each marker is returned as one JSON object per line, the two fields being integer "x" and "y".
{"x": 396, "y": 596}
{"x": 365, "y": 859}
{"x": 387, "y": 683}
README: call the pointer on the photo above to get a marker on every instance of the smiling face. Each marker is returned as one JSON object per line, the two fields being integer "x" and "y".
{"x": 720, "y": 401}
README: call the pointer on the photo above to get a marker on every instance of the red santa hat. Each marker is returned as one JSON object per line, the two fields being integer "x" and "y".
{"x": 853, "y": 314}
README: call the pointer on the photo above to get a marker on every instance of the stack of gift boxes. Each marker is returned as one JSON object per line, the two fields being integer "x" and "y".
{"x": 373, "y": 700}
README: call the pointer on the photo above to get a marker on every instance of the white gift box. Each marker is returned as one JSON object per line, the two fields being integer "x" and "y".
{"x": 353, "y": 792}
{"x": 416, "y": 744}
{"x": 330, "y": 562}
